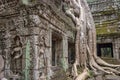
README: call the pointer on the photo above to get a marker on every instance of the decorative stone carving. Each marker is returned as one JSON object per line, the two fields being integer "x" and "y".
{"x": 42, "y": 54}
{"x": 6, "y": 7}
{"x": 35, "y": 19}
{"x": 21, "y": 20}
{"x": 16, "y": 56}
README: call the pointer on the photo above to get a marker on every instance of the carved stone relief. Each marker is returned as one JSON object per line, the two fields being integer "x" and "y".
{"x": 16, "y": 56}
{"x": 42, "y": 54}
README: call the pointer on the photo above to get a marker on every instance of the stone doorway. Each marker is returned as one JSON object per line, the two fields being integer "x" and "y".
{"x": 71, "y": 53}
{"x": 56, "y": 48}
{"x": 105, "y": 49}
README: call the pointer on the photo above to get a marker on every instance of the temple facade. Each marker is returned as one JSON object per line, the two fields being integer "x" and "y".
{"x": 34, "y": 39}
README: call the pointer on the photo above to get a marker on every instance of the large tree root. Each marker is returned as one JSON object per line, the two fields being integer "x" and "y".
{"x": 84, "y": 75}
{"x": 75, "y": 70}
{"x": 95, "y": 66}
{"x": 101, "y": 62}
{"x": 111, "y": 69}
{"x": 101, "y": 65}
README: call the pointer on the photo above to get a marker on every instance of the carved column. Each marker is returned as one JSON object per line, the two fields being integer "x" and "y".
{"x": 116, "y": 48}
{"x": 65, "y": 50}
{"x": 7, "y": 53}
{"x": 36, "y": 56}
{"x": 48, "y": 53}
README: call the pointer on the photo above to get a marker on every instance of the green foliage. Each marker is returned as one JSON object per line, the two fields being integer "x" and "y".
{"x": 80, "y": 69}
{"x": 27, "y": 62}
{"x": 90, "y": 73}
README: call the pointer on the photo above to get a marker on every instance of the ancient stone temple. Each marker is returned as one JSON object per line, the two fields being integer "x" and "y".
{"x": 106, "y": 14}
{"x": 34, "y": 39}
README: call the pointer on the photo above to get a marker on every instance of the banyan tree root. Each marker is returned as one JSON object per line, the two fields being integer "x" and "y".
{"x": 84, "y": 75}
{"x": 101, "y": 62}
{"x": 96, "y": 67}
{"x": 85, "y": 43}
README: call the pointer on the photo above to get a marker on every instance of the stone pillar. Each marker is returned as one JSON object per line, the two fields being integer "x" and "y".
{"x": 35, "y": 32}
{"x": 115, "y": 49}
{"x": 36, "y": 60}
{"x": 119, "y": 48}
{"x": 7, "y": 54}
{"x": 65, "y": 49}
{"x": 50, "y": 44}
{"x": 48, "y": 53}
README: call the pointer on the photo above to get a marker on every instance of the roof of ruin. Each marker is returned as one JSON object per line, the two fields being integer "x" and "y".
{"x": 106, "y": 14}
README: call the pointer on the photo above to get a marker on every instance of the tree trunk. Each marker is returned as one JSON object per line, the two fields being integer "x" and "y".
{"x": 85, "y": 43}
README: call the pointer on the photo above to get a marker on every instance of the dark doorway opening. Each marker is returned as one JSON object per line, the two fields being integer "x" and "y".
{"x": 105, "y": 50}
{"x": 56, "y": 48}
{"x": 71, "y": 53}
{"x": 53, "y": 53}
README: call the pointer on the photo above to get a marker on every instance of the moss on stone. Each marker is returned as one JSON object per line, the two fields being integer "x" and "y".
{"x": 106, "y": 29}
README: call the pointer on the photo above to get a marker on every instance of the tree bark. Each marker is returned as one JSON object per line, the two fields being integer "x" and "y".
{"x": 85, "y": 44}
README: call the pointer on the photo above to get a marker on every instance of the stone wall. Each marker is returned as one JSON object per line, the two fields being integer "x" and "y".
{"x": 20, "y": 24}
{"x": 106, "y": 16}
